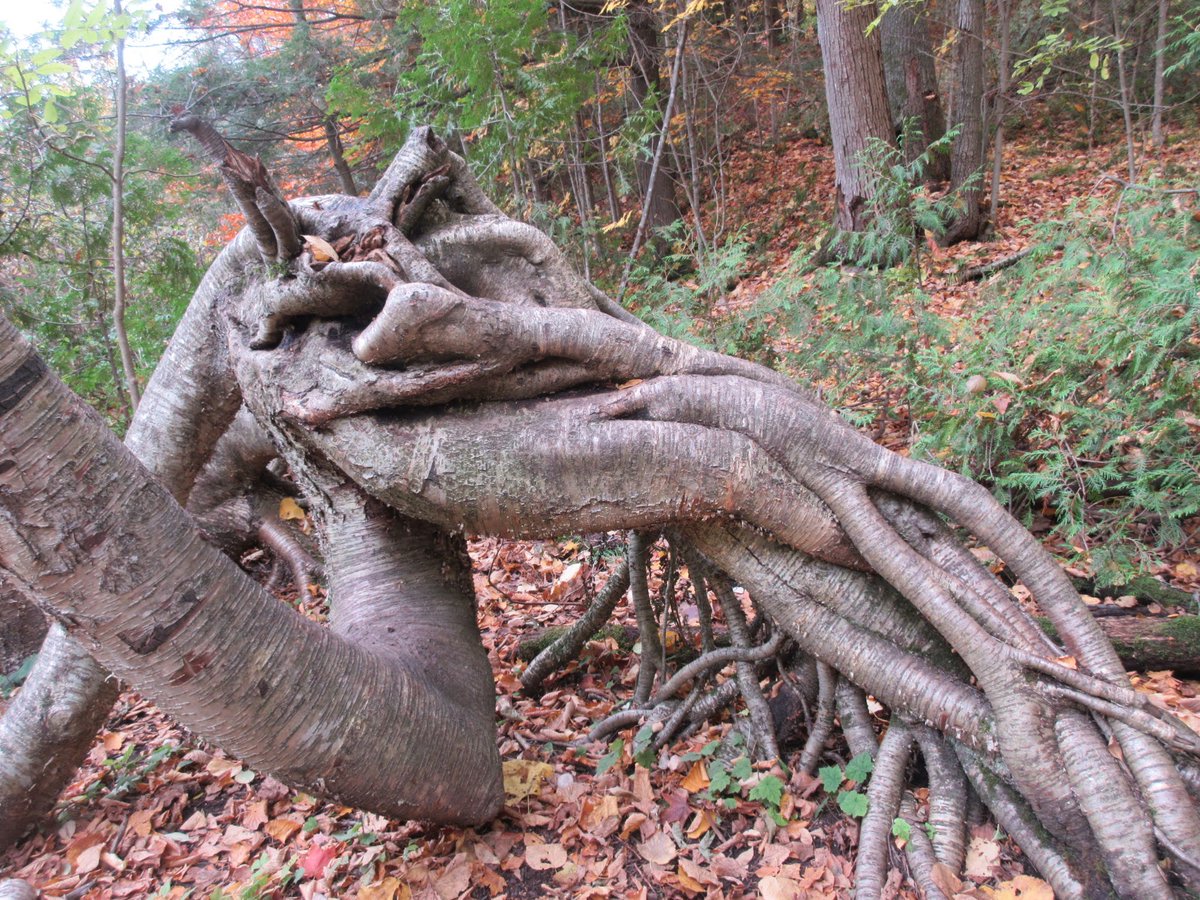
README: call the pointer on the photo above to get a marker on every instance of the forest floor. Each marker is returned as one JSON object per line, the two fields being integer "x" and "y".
{"x": 157, "y": 812}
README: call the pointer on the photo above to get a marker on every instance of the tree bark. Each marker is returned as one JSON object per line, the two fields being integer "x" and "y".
{"x": 118, "y": 227}
{"x": 123, "y": 568}
{"x": 1157, "y": 135}
{"x": 856, "y": 97}
{"x": 968, "y": 149}
{"x": 654, "y": 178}
{"x": 423, "y": 378}
{"x": 912, "y": 83}
{"x": 22, "y": 627}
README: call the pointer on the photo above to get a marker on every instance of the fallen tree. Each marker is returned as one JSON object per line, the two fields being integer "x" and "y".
{"x": 427, "y": 366}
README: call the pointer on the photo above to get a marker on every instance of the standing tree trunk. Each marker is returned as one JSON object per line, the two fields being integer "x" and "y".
{"x": 333, "y": 140}
{"x": 912, "y": 84}
{"x": 857, "y": 101}
{"x": 999, "y": 108}
{"x": 656, "y": 181}
{"x": 118, "y": 227}
{"x": 1157, "y": 138}
{"x": 967, "y": 152}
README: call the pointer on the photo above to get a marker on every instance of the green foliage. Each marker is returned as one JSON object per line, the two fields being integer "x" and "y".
{"x": 678, "y": 294}
{"x": 500, "y": 76}
{"x": 728, "y": 781}
{"x": 846, "y": 784}
{"x": 56, "y": 190}
{"x": 901, "y": 829}
{"x": 1092, "y": 372}
{"x": 902, "y": 210}
{"x": 1088, "y": 409}
{"x": 612, "y": 757}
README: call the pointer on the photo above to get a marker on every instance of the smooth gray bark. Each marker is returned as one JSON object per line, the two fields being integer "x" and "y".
{"x": 856, "y": 98}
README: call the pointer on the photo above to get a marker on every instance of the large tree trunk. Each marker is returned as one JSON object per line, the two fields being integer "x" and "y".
{"x": 856, "y": 97}
{"x": 124, "y": 568}
{"x": 967, "y": 152}
{"x": 452, "y": 370}
{"x": 656, "y": 182}
{"x": 912, "y": 84}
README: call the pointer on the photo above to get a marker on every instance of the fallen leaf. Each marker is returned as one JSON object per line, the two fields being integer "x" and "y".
{"x": 289, "y": 509}
{"x": 282, "y": 829}
{"x": 696, "y": 779}
{"x": 389, "y": 889}
{"x": 700, "y": 824}
{"x": 220, "y": 766}
{"x": 595, "y": 810}
{"x": 776, "y": 887}
{"x": 698, "y": 873}
{"x": 140, "y": 822}
{"x": 541, "y": 857}
{"x": 455, "y": 881}
{"x": 89, "y": 859}
{"x": 687, "y": 882}
{"x": 316, "y": 859}
{"x": 256, "y": 814}
{"x": 946, "y": 879}
{"x": 321, "y": 249}
{"x": 523, "y": 778}
{"x": 660, "y": 849}
{"x": 983, "y": 858}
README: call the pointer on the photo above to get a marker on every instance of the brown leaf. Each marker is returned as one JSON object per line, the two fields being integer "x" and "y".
{"x": 775, "y": 887}
{"x": 660, "y": 849}
{"x": 388, "y": 889}
{"x": 89, "y": 859}
{"x": 697, "y": 872}
{"x": 700, "y": 824}
{"x": 283, "y": 829}
{"x": 455, "y": 881}
{"x": 946, "y": 879}
{"x": 256, "y": 814}
{"x": 140, "y": 822}
{"x": 541, "y": 857}
{"x": 983, "y": 859}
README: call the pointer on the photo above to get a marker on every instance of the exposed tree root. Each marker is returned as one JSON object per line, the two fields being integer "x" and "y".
{"x": 430, "y": 366}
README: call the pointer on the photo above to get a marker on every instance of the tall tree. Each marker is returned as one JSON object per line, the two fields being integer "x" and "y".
{"x": 856, "y": 96}
{"x": 654, "y": 176}
{"x": 912, "y": 82}
{"x": 969, "y": 147}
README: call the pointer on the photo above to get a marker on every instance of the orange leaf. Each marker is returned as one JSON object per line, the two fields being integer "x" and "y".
{"x": 282, "y": 829}
{"x": 696, "y": 778}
